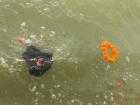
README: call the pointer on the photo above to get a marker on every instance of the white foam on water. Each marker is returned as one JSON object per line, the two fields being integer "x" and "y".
{"x": 23, "y": 24}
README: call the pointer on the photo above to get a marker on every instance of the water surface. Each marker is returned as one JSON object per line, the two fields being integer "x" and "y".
{"x": 73, "y": 30}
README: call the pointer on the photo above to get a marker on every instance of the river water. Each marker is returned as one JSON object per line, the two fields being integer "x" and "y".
{"x": 73, "y": 30}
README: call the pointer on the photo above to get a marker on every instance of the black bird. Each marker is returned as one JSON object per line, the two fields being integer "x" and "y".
{"x": 38, "y": 62}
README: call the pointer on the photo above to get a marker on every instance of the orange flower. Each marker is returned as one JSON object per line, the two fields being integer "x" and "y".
{"x": 105, "y": 46}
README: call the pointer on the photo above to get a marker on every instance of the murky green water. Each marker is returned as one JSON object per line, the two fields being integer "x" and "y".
{"x": 72, "y": 30}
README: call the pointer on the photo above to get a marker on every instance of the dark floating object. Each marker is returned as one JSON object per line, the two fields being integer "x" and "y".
{"x": 38, "y": 62}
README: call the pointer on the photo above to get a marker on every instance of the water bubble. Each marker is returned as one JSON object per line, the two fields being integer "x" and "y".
{"x": 107, "y": 68}
{"x": 72, "y": 100}
{"x": 112, "y": 98}
{"x": 4, "y": 30}
{"x": 42, "y": 36}
{"x": 33, "y": 89}
{"x": 52, "y": 33}
{"x": 59, "y": 49}
{"x": 28, "y": 41}
{"x": 105, "y": 97}
{"x": 136, "y": 79}
{"x": 42, "y": 27}
{"x": 97, "y": 96}
{"x": 53, "y": 76}
{"x": 45, "y": 9}
{"x": 89, "y": 104}
{"x": 5, "y": 65}
{"x": 23, "y": 24}
{"x": 2, "y": 60}
{"x": 57, "y": 86}
{"x": 36, "y": 101}
{"x": 105, "y": 103}
{"x": 33, "y": 36}
{"x": 59, "y": 94}
{"x": 37, "y": 93}
{"x": 53, "y": 96}
{"x": 42, "y": 86}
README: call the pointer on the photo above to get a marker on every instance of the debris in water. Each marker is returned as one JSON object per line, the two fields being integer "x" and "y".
{"x": 21, "y": 40}
{"x": 127, "y": 59}
{"x": 119, "y": 84}
{"x": 38, "y": 62}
